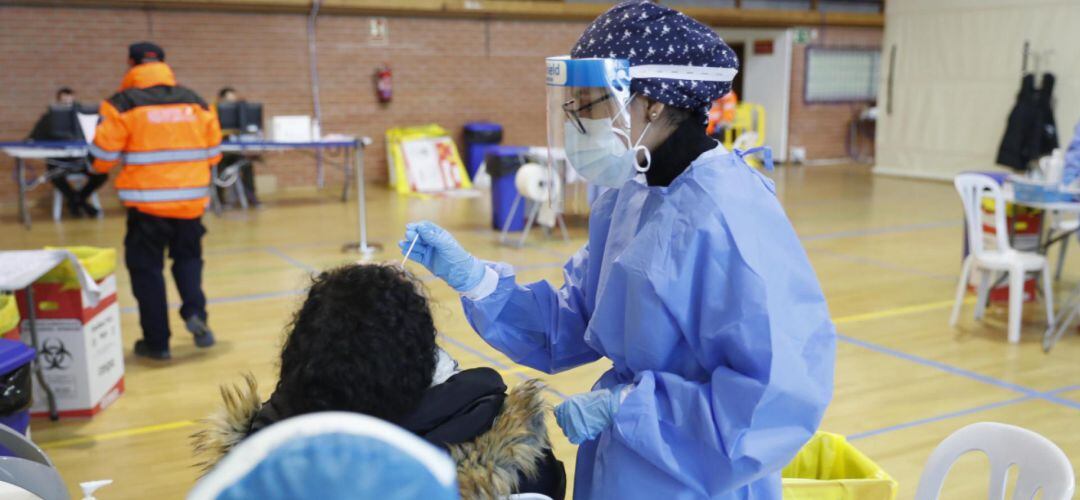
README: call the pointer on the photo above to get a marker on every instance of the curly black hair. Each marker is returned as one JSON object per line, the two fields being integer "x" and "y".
{"x": 363, "y": 341}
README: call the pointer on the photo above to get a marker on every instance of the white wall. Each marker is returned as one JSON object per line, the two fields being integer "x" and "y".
{"x": 767, "y": 81}
{"x": 957, "y": 72}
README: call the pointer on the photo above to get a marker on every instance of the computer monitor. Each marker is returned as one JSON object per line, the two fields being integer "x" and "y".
{"x": 251, "y": 117}
{"x": 64, "y": 123}
{"x": 229, "y": 115}
{"x": 87, "y": 109}
{"x": 242, "y": 116}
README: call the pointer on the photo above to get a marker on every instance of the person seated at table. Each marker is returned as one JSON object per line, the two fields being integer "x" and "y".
{"x": 247, "y": 163}
{"x": 61, "y": 168}
{"x": 364, "y": 341}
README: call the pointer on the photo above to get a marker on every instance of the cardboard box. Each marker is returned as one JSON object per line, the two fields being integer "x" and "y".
{"x": 80, "y": 347}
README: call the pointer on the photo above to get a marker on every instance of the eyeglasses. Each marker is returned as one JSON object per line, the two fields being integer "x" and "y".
{"x": 574, "y": 114}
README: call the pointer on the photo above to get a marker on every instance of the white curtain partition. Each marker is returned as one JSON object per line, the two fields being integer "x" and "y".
{"x": 956, "y": 75}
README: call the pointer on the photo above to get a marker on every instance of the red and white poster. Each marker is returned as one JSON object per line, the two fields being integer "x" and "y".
{"x": 432, "y": 165}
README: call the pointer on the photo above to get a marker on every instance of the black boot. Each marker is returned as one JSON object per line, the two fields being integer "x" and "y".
{"x": 203, "y": 336}
{"x": 144, "y": 351}
{"x": 75, "y": 207}
{"x": 90, "y": 209}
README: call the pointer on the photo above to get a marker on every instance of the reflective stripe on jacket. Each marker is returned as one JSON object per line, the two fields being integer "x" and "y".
{"x": 167, "y": 139}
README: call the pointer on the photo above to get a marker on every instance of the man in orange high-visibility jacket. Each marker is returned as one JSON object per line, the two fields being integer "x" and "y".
{"x": 722, "y": 114}
{"x": 167, "y": 139}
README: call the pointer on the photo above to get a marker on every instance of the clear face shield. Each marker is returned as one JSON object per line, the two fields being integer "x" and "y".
{"x": 588, "y": 120}
{"x": 588, "y": 115}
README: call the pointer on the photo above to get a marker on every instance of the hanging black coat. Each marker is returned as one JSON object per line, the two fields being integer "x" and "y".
{"x": 1044, "y": 138}
{"x": 1030, "y": 131}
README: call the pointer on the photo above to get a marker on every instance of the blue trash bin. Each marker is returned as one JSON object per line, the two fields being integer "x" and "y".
{"x": 479, "y": 138}
{"x": 15, "y": 387}
{"x": 502, "y": 165}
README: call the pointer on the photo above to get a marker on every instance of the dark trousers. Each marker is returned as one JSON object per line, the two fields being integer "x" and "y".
{"x": 147, "y": 238}
{"x": 93, "y": 182}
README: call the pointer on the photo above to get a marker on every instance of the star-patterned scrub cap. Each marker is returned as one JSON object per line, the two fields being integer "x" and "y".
{"x": 656, "y": 40}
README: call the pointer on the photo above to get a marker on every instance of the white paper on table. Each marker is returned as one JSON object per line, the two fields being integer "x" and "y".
{"x": 88, "y": 124}
{"x": 337, "y": 138}
{"x": 20, "y": 268}
{"x": 293, "y": 128}
{"x": 42, "y": 153}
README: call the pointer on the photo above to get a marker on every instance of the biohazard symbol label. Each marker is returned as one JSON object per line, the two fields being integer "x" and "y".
{"x": 55, "y": 355}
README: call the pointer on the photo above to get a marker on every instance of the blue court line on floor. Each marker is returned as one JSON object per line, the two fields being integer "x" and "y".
{"x": 542, "y": 265}
{"x": 874, "y": 231}
{"x": 554, "y": 253}
{"x": 295, "y": 262}
{"x": 958, "y": 371}
{"x": 230, "y": 300}
{"x": 853, "y": 233}
{"x": 882, "y": 264}
{"x": 526, "y": 267}
{"x": 228, "y": 250}
{"x": 497, "y": 363}
{"x": 937, "y": 418}
{"x": 955, "y": 414}
{"x": 300, "y": 291}
{"x": 843, "y": 338}
{"x": 278, "y": 250}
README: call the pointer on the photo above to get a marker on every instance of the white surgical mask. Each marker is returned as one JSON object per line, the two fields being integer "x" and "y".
{"x": 602, "y": 154}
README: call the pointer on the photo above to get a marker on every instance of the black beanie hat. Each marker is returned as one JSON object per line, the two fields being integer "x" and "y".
{"x": 145, "y": 50}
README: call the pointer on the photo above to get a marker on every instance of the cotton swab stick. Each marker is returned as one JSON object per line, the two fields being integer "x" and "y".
{"x": 409, "y": 251}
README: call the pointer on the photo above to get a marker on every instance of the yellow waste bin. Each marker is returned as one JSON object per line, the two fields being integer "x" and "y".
{"x": 98, "y": 262}
{"x": 830, "y": 468}
{"x": 9, "y": 316}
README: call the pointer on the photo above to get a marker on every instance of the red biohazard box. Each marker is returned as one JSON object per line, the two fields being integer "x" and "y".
{"x": 79, "y": 344}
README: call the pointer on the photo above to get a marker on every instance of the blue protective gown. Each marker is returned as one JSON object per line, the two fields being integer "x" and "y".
{"x": 702, "y": 296}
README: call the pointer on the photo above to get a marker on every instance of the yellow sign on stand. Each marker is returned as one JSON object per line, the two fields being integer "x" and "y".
{"x": 424, "y": 160}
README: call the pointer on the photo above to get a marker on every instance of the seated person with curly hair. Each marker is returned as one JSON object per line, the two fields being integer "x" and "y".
{"x": 364, "y": 341}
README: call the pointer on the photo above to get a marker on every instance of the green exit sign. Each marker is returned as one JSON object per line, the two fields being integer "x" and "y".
{"x": 804, "y": 36}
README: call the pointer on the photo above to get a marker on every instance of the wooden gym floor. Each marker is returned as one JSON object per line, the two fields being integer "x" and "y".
{"x": 887, "y": 252}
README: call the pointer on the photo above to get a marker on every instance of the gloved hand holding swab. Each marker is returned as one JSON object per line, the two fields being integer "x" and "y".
{"x": 409, "y": 251}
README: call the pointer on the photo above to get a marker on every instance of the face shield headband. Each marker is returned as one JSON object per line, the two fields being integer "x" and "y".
{"x": 588, "y": 119}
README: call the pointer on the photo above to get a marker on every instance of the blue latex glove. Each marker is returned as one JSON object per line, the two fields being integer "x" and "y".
{"x": 584, "y": 416}
{"x": 438, "y": 251}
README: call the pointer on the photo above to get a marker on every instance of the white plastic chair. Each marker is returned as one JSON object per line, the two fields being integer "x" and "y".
{"x": 28, "y": 471}
{"x": 1062, "y": 223}
{"x": 973, "y": 188}
{"x": 293, "y": 440}
{"x": 77, "y": 181}
{"x": 1042, "y": 465}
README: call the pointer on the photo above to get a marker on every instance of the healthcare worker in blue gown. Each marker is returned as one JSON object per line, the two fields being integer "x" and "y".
{"x": 693, "y": 283}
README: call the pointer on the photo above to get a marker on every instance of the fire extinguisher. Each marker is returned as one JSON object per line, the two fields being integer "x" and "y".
{"x": 384, "y": 87}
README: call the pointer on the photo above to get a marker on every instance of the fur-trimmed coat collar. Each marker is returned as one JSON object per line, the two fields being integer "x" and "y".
{"x": 488, "y": 467}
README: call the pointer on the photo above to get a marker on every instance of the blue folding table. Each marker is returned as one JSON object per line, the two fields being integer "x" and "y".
{"x": 352, "y": 148}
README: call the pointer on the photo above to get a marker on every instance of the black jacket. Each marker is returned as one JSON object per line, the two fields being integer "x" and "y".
{"x": 1031, "y": 131}
{"x": 466, "y": 407}
{"x": 498, "y": 439}
{"x": 41, "y": 130}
